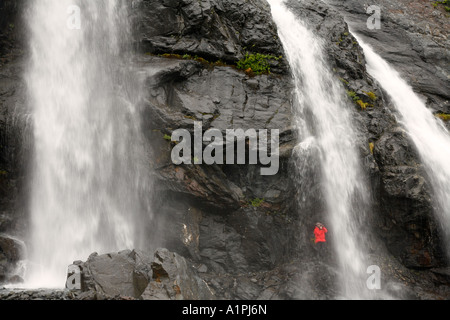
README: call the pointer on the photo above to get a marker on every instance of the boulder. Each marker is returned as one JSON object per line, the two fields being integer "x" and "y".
{"x": 174, "y": 279}
{"x": 131, "y": 274}
{"x": 122, "y": 274}
{"x": 11, "y": 252}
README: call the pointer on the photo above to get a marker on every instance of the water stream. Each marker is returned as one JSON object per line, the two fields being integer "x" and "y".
{"x": 331, "y": 130}
{"x": 89, "y": 189}
{"x": 429, "y": 134}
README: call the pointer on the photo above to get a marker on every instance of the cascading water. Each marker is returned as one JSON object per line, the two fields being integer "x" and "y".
{"x": 428, "y": 133}
{"x": 344, "y": 188}
{"x": 89, "y": 188}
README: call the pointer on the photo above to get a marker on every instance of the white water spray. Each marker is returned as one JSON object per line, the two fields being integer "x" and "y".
{"x": 89, "y": 178}
{"x": 428, "y": 133}
{"x": 343, "y": 184}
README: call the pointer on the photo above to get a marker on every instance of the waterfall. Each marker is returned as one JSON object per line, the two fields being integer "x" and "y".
{"x": 330, "y": 127}
{"x": 428, "y": 133}
{"x": 89, "y": 188}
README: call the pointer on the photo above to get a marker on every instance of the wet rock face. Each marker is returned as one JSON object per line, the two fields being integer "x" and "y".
{"x": 227, "y": 217}
{"x": 11, "y": 28}
{"x": 404, "y": 210}
{"x": 407, "y": 221}
{"x": 221, "y": 98}
{"x": 413, "y": 38}
{"x": 14, "y": 148}
{"x": 213, "y": 29}
{"x": 182, "y": 91}
{"x": 11, "y": 252}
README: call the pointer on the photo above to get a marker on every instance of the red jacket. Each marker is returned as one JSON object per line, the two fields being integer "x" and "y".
{"x": 320, "y": 234}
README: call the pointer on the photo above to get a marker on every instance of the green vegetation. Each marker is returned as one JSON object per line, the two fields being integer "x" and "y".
{"x": 353, "y": 95}
{"x": 252, "y": 64}
{"x": 256, "y": 202}
{"x": 191, "y": 117}
{"x": 358, "y": 100}
{"x": 256, "y": 63}
{"x": 371, "y": 146}
{"x": 342, "y": 37}
{"x": 443, "y": 116}
{"x": 362, "y": 104}
{"x": 344, "y": 81}
{"x": 444, "y": 2}
{"x": 372, "y": 96}
{"x": 171, "y": 56}
{"x": 167, "y": 137}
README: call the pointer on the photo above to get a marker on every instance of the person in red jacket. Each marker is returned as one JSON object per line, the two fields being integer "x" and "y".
{"x": 320, "y": 239}
{"x": 319, "y": 232}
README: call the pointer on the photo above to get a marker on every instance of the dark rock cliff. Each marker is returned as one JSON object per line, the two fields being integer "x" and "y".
{"x": 226, "y": 217}
{"x": 13, "y": 117}
{"x": 403, "y": 215}
{"x": 14, "y": 138}
{"x": 232, "y": 236}
{"x": 414, "y": 38}
{"x": 214, "y": 30}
